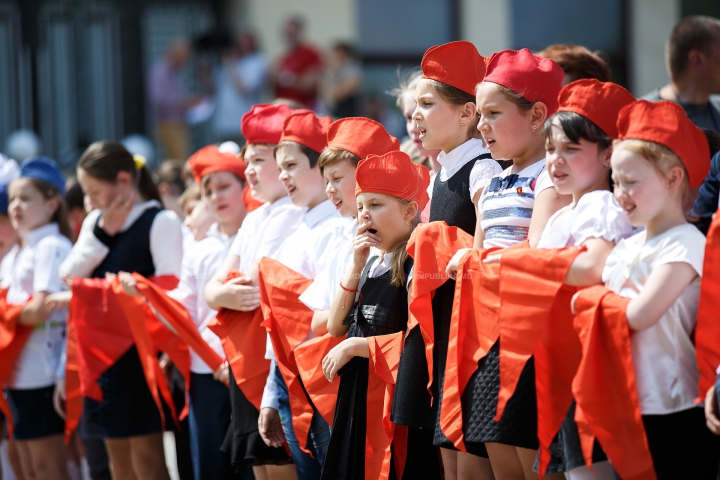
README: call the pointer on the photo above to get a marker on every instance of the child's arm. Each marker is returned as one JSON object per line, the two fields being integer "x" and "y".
{"x": 236, "y": 294}
{"x": 587, "y": 268}
{"x": 319, "y": 322}
{"x": 479, "y": 234}
{"x": 343, "y": 353}
{"x": 35, "y": 311}
{"x": 547, "y": 202}
{"x": 664, "y": 285}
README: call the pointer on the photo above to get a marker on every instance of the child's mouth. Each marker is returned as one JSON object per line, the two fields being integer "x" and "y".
{"x": 372, "y": 230}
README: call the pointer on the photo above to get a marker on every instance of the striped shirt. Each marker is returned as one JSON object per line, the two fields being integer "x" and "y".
{"x": 507, "y": 204}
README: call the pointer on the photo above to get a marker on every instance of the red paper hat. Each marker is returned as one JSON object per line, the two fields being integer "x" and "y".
{"x": 457, "y": 64}
{"x": 666, "y": 123}
{"x": 537, "y": 79}
{"x": 361, "y": 136}
{"x": 393, "y": 174}
{"x": 599, "y": 102}
{"x": 264, "y": 123}
{"x": 303, "y": 127}
{"x": 209, "y": 160}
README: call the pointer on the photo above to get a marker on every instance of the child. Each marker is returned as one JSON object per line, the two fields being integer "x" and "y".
{"x": 660, "y": 154}
{"x": 337, "y": 164}
{"x": 171, "y": 185}
{"x": 261, "y": 234}
{"x": 30, "y": 269}
{"x": 221, "y": 176}
{"x": 127, "y": 231}
{"x": 391, "y": 193}
{"x": 447, "y": 119}
{"x": 519, "y": 92}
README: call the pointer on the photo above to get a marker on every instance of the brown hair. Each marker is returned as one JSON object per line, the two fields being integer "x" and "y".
{"x": 399, "y": 252}
{"x": 191, "y": 194}
{"x": 457, "y": 98}
{"x": 692, "y": 33}
{"x": 170, "y": 172}
{"x": 332, "y": 155}
{"x": 521, "y": 102}
{"x": 661, "y": 157}
{"x": 50, "y": 192}
{"x": 105, "y": 159}
{"x": 311, "y": 154}
{"x": 407, "y": 82}
{"x": 578, "y": 62}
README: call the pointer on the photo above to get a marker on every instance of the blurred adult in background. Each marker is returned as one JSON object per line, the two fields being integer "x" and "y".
{"x": 170, "y": 101}
{"x": 345, "y": 81}
{"x": 239, "y": 82}
{"x": 692, "y": 56}
{"x": 577, "y": 62}
{"x": 171, "y": 185}
{"x": 296, "y": 74}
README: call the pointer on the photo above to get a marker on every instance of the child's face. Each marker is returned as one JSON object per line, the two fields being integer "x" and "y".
{"x": 302, "y": 183}
{"x": 575, "y": 168}
{"x": 340, "y": 187}
{"x": 100, "y": 193}
{"x": 199, "y": 220}
{"x": 639, "y": 188}
{"x": 413, "y": 131}
{"x": 387, "y": 215}
{"x": 506, "y": 130}
{"x": 438, "y": 122}
{"x": 223, "y": 194}
{"x": 8, "y": 235}
{"x": 262, "y": 173}
{"x": 28, "y": 208}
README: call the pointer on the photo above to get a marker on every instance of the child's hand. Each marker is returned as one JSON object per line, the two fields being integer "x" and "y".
{"x": 241, "y": 294}
{"x": 59, "y": 397}
{"x": 113, "y": 217}
{"x": 337, "y": 358}
{"x": 270, "y": 427}
{"x": 129, "y": 285}
{"x": 364, "y": 240}
{"x": 222, "y": 374}
{"x": 572, "y": 302}
{"x": 452, "y": 267}
{"x": 57, "y": 301}
{"x": 711, "y": 411}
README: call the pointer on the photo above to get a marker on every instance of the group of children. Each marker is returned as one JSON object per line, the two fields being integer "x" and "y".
{"x": 527, "y": 308}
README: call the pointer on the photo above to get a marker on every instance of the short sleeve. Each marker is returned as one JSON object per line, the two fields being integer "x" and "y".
{"x": 482, "y": 172}
{"x": 166, "y": 243}
{"x": 316, "y": 296}
{"x": 598, "y": 215}
{"x": 684, "y": 244}
{"x": 49, "y": 254}
{"x": 543, "y": 182}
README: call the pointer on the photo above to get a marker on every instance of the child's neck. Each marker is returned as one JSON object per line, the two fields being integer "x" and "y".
{"x": 317, "y": 200}
{"x": 601, "y": 184}
{"x": 533, "y": 154}
{"x": 454, "y": 144}
{"x": 668, "y": 218}
{"x": 232, "y": 227}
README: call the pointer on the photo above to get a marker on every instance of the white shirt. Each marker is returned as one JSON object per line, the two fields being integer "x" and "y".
{"x": 27, "y": 270}
{"x": 452, "y": 162}
{"x": 198, "y": 266}
{"x": 322, "y": 291}
{"x": 264, "y": 230}
{"x": 663, "y": 355}
{"x": 596, "y": 215}
{"x": 506, "y": 209}
{"x": 166, "y": 243}
{"x": 303, "y": 252}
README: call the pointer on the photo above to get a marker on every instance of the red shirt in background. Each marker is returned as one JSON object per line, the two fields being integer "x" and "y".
{"x": 293, "y": 64}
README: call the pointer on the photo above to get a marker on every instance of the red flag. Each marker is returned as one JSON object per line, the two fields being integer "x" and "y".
{"x": 13, "y": 338}
{"x": 309, "y": 357}
{"x": 707, "y": 329}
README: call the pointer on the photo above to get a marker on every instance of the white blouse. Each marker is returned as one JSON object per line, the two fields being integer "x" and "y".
{"x": 663, "y": 354}
{"x": 166, "y": 243}
{"x": 596, "y": 215}
{"x": 27, "y": 270}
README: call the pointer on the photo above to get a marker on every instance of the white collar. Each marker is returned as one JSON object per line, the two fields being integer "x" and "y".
{"x": 33, "y": 236}
{"x": 319, "y": 213}
{"x": 459, "y": 157}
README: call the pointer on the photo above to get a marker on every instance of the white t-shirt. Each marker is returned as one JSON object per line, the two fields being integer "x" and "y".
{"x": 481, "y": 173}
{"x": 199, "y": 264}
{"x": 663, "y": 355}
{"x": 27, "y": 270}
{"x": 507, "y": 204}
{"x": 596, "y": 215}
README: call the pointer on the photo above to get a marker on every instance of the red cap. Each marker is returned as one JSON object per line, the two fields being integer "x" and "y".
{"x": 303, "y": 127}
{"x": 537, "y": 79}
{"x": 264, "y": 123}
{"x": 361, "y": 136}
{"x": 209, "y": 160}
{"x": 393, "y": 174}
{"x": 666, "y": 123}
{"x": 599, "y": 102}
{"x": 457, "y": 64}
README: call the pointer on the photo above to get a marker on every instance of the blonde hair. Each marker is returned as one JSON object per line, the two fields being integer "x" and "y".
{"x": 659, "y": 156}
{"x": 399, "y": 251}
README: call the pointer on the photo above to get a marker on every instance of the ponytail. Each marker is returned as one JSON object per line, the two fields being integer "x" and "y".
{"x": 146, "y": 185}
{"x": 400, "y": 255}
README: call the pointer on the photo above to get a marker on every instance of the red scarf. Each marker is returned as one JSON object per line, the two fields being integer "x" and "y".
{"x": 707, "y": 329}
{"x": 13, "y": 338}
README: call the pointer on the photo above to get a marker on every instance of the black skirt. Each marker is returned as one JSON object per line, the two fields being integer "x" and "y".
{"x": 518, "y": 425}
{"x": 243, "y": 442}
{"x": 34, "y": 416}
{"x": 412, "y": 403}
{"x": 127, "y": 408}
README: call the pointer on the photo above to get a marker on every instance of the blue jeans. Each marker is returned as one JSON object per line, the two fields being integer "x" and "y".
{"x": 308, "y": 468}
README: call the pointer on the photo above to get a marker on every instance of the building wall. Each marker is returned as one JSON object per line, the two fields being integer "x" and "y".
{"x": 486, "y": 23}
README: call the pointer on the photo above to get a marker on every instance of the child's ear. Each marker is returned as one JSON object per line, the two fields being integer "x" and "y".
{"x": 607, "y": 155}
{"x": 124, "y": 179}
{"x": 539, "y": 113}
{"x": 411, "y": 211}
{"x": 675, "y": 177}
{"x": 468, "y": 111}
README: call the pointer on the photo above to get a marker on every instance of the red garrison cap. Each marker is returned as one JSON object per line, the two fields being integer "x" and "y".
{"x": 303, "y": 127}
{"x": 264, "y": 123}
{"x": 361, "y": 136}
{"x": 457, "y": 64}
{"x": 599, "y": 102}
{"x": 393, "y": 174}
{"x": 666, "y": 123}
{"x": 537, "y": 79}
{"x": 209, "y": 160}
